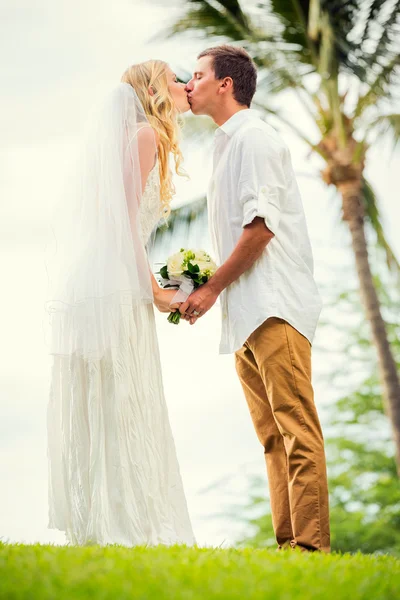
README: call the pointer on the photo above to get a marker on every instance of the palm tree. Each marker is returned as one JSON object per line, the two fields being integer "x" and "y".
{"x": 340, "y": 60}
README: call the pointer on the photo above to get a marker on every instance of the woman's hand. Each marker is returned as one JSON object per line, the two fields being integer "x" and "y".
{"x": 162, "y": 299}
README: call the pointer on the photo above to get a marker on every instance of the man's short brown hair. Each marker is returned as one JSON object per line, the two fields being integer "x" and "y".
{"x": 229, "y": 61}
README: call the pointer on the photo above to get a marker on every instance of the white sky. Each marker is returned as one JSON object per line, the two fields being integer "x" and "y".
{"x": 57, "y": 57}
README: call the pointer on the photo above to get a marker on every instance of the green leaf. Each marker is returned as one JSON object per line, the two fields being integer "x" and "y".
{"x": 193, "y": 268}
{"x": 164, "y": 272}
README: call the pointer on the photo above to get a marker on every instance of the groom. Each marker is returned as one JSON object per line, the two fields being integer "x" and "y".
{"x": 269, "y": 300}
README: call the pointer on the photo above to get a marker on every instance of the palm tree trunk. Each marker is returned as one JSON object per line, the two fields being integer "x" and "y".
{"x": 353, "y": 214}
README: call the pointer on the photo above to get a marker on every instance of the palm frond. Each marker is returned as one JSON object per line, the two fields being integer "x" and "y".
{"x": 234, "y": 10}
{"x": 379, "y": 87}
{"x": 314, "y": 19}
{"x": 367, "y": 34}
{"x": 373, "y": 217}
{"x": 321, "y": 32}
{"x": 372, "y": 14}
{"x": 327, "y": 65}
{"x": 186, "y": 225}
{"x": 387, "y": 124}
{"x": 343, "y": 18}
{"x": 216, "y": 18}
{"x": 279, "y": 76}
{"x": 386, "y": 45}
{"x": 293, "y": 16}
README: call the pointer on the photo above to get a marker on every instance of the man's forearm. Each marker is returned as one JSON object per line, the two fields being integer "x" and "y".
{"x": 249, "y": 248}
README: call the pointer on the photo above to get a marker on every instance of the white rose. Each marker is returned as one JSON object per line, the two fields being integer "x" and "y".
{"x": 174, "y": 265}
{"x": 204, "y": 259}
{"x": 200, "y": 255}
{"x": 207, "y": 266}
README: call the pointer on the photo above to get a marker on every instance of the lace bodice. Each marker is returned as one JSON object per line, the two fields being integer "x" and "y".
{"x": 150, "y": 206}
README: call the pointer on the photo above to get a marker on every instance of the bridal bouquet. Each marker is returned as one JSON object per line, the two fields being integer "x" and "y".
{"x": 186, "y": 270}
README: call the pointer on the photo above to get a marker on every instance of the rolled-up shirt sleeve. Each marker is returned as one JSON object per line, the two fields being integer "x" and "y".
{"x": 261, "y": 179}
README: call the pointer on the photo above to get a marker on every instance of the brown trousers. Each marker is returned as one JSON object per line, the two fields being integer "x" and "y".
{"x": 274, "y": 368}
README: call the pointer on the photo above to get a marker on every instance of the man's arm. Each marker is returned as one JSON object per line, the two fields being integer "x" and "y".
{"x": 260, "y": 192}
{"x": 249, "y": 248}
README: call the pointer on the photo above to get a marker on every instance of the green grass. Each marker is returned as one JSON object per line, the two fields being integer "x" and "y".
{"x": 38, "y": 572}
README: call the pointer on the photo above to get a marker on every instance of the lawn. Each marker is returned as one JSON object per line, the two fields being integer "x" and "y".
{"x": 37, "y": 572}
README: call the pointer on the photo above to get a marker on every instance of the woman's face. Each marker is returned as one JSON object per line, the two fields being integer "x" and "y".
{"x": 178, "y": 92}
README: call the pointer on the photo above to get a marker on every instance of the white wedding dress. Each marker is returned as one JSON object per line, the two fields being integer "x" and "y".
{"x": 113, "y": 471}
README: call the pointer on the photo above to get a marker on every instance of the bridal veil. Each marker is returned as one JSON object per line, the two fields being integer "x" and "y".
{"x": 97, "y": 265}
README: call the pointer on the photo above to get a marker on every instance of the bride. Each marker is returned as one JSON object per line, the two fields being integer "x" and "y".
{"x": 113, "y": 471}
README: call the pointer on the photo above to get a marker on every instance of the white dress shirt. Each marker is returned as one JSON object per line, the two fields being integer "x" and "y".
{"x": 253, "y": 177}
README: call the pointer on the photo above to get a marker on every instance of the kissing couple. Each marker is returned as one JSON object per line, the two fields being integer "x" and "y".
{"x": 113, "y": 471}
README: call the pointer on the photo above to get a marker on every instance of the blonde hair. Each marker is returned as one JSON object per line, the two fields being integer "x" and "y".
{"x": 162, "y": 115}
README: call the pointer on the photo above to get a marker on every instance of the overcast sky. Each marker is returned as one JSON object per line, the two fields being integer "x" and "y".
{"x": 57, "y": 57}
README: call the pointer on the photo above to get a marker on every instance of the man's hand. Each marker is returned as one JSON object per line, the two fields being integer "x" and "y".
{"x": 198, "y": 303}
{"x": 249, "y": 248}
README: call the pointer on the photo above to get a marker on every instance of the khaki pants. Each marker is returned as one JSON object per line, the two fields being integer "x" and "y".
{"x": 274, "y": 367}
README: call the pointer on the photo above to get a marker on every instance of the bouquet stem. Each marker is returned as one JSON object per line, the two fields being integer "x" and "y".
{"x": 174, "y": 317}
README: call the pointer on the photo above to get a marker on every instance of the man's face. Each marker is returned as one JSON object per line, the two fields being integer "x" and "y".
{"x": 202, "y": 89}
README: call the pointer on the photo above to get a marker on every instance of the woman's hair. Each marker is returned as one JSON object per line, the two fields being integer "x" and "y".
{"x": 162, "y": 115}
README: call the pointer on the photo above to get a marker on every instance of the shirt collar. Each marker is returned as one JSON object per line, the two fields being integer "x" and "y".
{"x": 235, "y": 121}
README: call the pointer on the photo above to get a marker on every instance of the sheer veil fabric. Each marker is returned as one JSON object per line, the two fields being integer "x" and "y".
{"x": 113, "y": 470}
{"x": 99, "y": 267}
